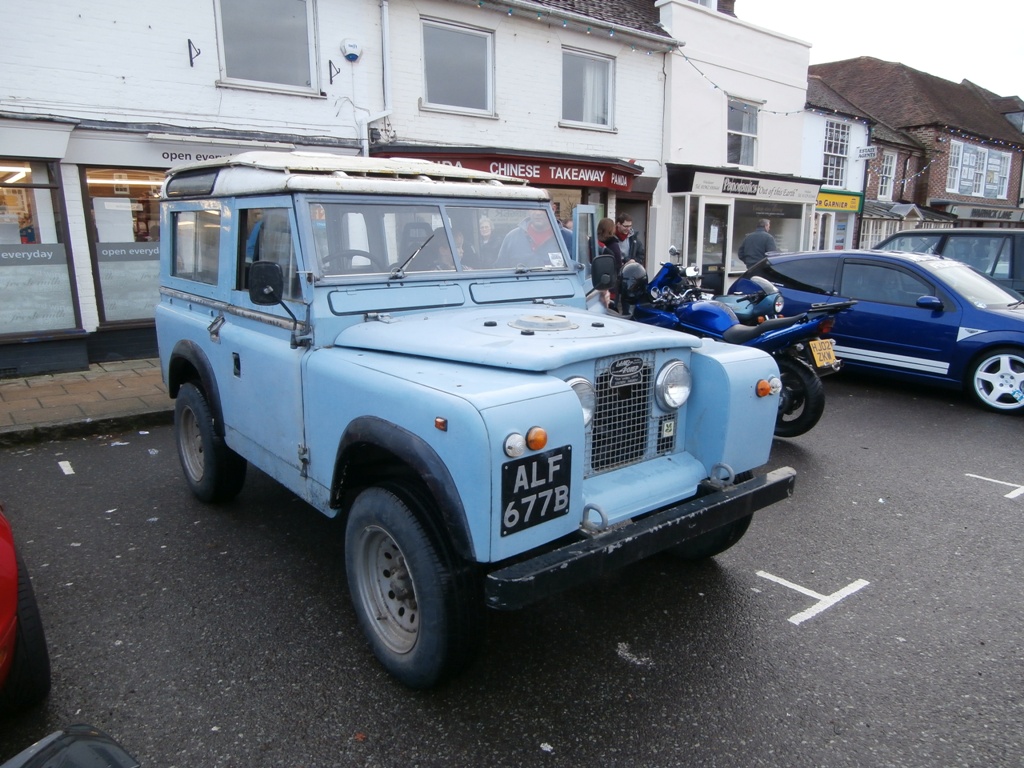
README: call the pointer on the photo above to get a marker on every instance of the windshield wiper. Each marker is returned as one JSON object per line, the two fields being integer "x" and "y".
{"x": 399, "y": 272}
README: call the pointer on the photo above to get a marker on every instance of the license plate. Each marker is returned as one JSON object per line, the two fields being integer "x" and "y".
{"x": 824, "y": 354}
{"x": 535, "y": 489}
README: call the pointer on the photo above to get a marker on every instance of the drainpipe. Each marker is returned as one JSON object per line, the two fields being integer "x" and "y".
{"x": 363, "y": 123}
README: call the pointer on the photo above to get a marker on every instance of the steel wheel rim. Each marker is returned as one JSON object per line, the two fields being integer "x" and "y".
{"x": 997, "y": 377}
{"x": 191, "y": 438}
{"x": 386, "y": 589}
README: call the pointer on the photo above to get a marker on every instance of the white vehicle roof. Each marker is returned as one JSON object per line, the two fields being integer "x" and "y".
{"x": 250, "y": 173}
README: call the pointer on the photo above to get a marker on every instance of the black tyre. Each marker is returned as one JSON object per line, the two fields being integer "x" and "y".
{"x": 418, "y": 605}
{"x": 28, "y": 681}
{"x": 802, "y": 400}
{"x": 214, "y": 472}
{"x": 717, "y": 541}
{"x": 994, "y": 376}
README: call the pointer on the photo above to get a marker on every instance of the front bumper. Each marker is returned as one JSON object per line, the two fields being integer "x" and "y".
{"x": 527, "y": 581}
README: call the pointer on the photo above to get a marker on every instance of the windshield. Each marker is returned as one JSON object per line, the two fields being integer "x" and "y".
{"x": 974, "y": 287}
{"x": 379, "y": 238}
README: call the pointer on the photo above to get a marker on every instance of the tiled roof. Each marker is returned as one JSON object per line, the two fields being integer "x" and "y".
{"x": 904, "y": 97}
{"x": 636, "y": 14}
{"x": 821, "y": 96}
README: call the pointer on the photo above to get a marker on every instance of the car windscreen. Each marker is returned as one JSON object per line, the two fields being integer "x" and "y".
{"x": 974, "y": 287}
{"x": 373, "y": 238}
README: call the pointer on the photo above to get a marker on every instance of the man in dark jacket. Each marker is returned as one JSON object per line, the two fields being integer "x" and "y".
{"x": 757, "y": 244}
{"x": 629, "y": 241}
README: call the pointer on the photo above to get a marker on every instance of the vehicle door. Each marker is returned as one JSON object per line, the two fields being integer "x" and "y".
{"x": 887, "y": 328}
{"x": 259, "y": 371}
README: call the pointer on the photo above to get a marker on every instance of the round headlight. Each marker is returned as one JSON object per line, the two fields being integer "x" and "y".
{"x": 673, "y": 385}
{"x": 585, "y": 392}
{"x": 779, "y": 303}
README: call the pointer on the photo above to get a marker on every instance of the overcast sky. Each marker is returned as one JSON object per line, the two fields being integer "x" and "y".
{"x": 981, "y": 41}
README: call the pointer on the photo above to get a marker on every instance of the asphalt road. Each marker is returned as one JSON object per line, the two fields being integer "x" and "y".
{"x": 874, "y": 619}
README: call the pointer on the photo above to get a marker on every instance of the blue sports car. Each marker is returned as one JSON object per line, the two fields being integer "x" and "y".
{"x": 918, "y": 318}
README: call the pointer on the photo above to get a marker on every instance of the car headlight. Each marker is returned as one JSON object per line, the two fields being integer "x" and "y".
{"x": 585, "y": 392}
{"x": 673, "y": 385}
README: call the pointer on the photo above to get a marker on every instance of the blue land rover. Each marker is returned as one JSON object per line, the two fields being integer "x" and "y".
{"x": 488, "y": 440}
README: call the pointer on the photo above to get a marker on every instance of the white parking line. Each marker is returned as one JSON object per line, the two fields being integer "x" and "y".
{"x": 824, "y": 601}
{"x": 1017, "y": 488}
{"x": 65, "y": 467}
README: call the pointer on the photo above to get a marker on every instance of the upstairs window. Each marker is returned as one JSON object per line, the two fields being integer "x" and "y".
{"x": 268, "y": 43}
{"x": 837, "y": 147}
{"x": 977, "y": 171}
{"x": 586, "y": 89}
{"x": 458, "y": 63}
{"x": 886, "y": 176}
{"x": 742, "y": 132}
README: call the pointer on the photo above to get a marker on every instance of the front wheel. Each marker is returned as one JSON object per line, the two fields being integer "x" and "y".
{"x": 415, "y": 600}
{"x": 802, "y": 400}
{"x": 28, "y": 680}
{"x": 996, "y": 379}
{"x": 214, "y": 472}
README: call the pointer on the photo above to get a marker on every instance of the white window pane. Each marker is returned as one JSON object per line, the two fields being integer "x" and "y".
{"x": 586, "y": 89}
{"x": 267, "y": 41}
{"x": 457, "y": 67}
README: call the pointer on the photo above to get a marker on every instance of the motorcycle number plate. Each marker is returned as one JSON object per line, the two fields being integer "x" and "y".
{"x": 824, "y": 354}
{"x": 535, "y": 489}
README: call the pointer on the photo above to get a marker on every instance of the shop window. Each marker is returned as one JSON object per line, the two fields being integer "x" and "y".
{"x": 742, "y": 133}
{"x": 124, "y": 204}
{"x": 268, "y": 43}
{"x": 35, "y": 273}
{"x": 886, "y": 176}
{"x": 586, "y": 89}
{"x": 196, "y": 239}
{"x": 977, "y": 171}
{"x": 837, "y": 147}
{"x": 458, "y": 63}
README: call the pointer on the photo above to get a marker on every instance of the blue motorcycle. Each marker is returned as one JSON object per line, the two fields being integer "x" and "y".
{"x": 673, "y": 299}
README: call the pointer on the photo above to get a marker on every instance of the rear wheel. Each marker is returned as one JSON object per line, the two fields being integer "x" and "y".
{"x": 214, "y": 472}
{"x": 417, "y": 603}
{"x": 996, "y": 379}
{"x": 802, "y": 400}
{"x": 28, "y": 680}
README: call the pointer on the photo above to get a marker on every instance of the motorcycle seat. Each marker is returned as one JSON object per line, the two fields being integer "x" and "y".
{"x": 741, "y": 334}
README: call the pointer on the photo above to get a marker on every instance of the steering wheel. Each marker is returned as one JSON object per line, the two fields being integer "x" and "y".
{"x": 341, "y": 262}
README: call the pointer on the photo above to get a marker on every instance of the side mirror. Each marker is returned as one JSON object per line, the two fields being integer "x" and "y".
{"x": 602, "y": 272}
{"x": 933, "y": 303}
{"x": 266, "y": 283}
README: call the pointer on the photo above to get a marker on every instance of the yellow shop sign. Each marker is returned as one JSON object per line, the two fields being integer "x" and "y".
{"x": 849, "y": 202}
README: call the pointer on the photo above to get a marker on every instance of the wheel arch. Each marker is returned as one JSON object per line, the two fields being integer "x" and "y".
{"x": 373, "y": 450}
{"x": 189, "y": 363}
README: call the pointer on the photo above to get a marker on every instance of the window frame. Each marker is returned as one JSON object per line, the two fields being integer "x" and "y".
{"x": 887, "y": 178}
{"x": 745, "y": 136}
{"x": 489, "y": 67}
{"x": 609, "y": 89}
{"x": 312, "y": 55}
{"x": 836, "y": 153}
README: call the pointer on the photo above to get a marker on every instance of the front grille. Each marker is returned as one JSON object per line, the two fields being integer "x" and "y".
{"x": 620, "y": 433}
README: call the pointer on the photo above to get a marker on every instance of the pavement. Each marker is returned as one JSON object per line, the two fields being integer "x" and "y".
{"x": 109, "y": 396}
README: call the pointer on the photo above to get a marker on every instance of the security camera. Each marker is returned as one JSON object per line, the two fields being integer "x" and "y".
{"x": 351, "y": 49}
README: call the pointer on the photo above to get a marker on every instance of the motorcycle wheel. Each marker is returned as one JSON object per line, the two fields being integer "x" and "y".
{"x": 802, "y": 400}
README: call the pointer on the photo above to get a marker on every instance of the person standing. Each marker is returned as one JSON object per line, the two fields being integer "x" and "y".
{"x": 629, "y": 241}
{"x": 757, "y": 244}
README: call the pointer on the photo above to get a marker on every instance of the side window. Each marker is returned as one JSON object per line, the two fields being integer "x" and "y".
{"x": 810, "y": 275}
{"x": 914, "y": 243}
{"x": 265, "y": 234}
{"x": 458, "y": 66}
{"x": 586, "y": 89}
{"x": 873, "y": 282}
{"x": 982, "y": 253}
{"x": 268, "y": 43}
{"x": 196, "y": 245}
